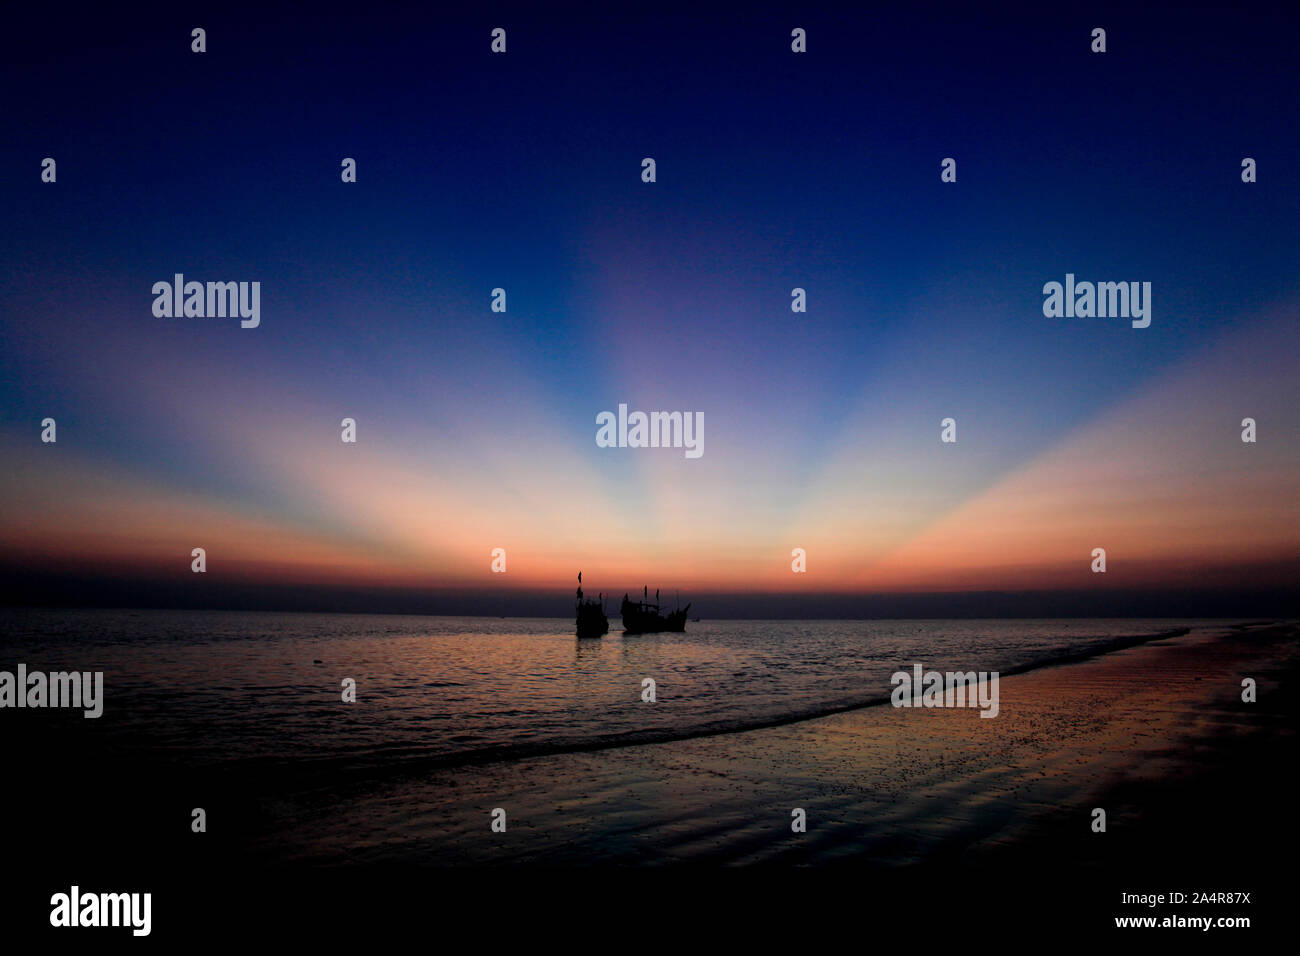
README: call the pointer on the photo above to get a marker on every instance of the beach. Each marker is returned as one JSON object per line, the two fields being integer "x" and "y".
{"x": 881, "y": 786}
{"x": 903, "y": 806}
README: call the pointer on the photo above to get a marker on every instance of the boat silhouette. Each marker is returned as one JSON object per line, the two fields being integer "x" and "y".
{"x": 644, "y": 617}
{"x": 591, "y": 619}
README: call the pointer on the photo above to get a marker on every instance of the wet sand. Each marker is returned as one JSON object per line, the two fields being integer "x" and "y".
{"x": 915, "y": 817}
{"x": 1137, "y": 732}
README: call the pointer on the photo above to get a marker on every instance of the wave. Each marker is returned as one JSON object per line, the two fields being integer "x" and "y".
{"x": 371, "y": 763}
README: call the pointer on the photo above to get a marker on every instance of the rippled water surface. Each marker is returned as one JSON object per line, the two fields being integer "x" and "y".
{"x": 223, "y": 686}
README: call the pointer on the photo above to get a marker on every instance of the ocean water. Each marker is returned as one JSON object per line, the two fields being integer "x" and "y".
{"x": 261, "y": 690}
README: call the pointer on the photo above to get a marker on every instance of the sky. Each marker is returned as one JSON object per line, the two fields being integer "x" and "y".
{"x": 774, "y": 170}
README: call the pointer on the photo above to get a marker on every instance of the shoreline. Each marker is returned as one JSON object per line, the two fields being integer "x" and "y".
{"x": 1139, "y": 730}
{"x": 881, "y": 786}
{"x": 907, "y": 809}
{"x": 334, "y": 767}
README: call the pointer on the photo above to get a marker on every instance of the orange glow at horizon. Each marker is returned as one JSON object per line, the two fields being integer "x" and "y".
{"x": 1161, "y": 481}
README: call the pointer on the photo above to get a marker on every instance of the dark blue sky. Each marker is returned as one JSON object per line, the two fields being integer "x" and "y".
{"x": 775, "y": 170}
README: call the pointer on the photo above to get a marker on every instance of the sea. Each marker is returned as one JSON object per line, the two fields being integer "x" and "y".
{"x": 265, "y": 690}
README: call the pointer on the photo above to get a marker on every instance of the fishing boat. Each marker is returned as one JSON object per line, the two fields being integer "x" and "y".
{"x": 592, "y": 621}
{"x": 645, "y": 617}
